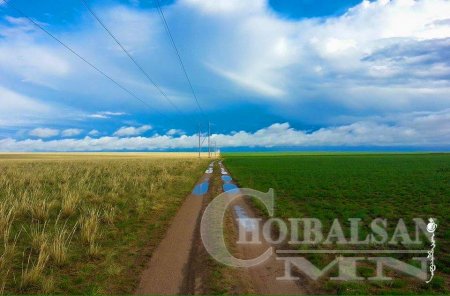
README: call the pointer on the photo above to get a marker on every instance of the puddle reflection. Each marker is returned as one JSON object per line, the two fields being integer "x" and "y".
{"x": 201, "y": 188}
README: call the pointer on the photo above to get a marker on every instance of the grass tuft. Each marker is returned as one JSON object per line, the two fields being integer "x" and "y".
{"x": 69, "y": 204}
{"x": 90, "y": 222}
{"x": 33, "y": 272}
{"x": 60, "y": 243}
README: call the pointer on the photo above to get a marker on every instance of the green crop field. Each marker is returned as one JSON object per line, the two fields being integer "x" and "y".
{"x": 366, "y": 186}
{"x": 85, "y": 224}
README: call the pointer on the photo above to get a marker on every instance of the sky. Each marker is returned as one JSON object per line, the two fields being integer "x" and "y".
{"x": 267, "y": 74}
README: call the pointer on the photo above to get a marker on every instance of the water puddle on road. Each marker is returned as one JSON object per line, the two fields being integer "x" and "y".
{"x": 210, "y": 168}
{"x": 244, "y": 219}
{"x": 201, "y": 188}
{"x": 226, "y": 178}
{"x": 230, "y": 188}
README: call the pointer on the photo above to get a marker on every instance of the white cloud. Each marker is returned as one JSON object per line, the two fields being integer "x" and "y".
{"x": 251, "y": 83}
{"x": 379, "y": 57}
{"x": 302, "y": 60}
{"x": 96, "y": 115}
{"x": 425, "y": 129}
{"x": 71, "y": 132}
{"x": 226, "y": 6}
{"x": 32, "y": 61}
{"x": 43, "y": 132}
{"x": 16, "y": 108}
{"x": 113, "y": 113}
{"x": 19, "y": 111}
{"x": 58, "y": 69}
{"x": 126, "y": 131}
{"x": 174, "y": 131}
{"x": 94, "y": 133}
{"x": 106, "y": 114}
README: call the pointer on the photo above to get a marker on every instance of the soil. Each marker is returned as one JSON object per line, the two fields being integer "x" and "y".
{"x": 181, "y": 265}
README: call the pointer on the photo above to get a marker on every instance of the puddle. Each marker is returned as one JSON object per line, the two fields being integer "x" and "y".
{"x": 210, "y": 168}
{"x": 226, "y": 178}
{"x": 245, "y": 221}
{"x": 229, "y": 187}
{"x": 201, "y": 188}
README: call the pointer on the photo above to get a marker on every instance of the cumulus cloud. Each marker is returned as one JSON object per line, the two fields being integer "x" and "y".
{"x": 175, "y": 131}
{"x": 253, "y": 52}
{"x": 94, "y": 133}
{"x": 425, "y": 129}
{"x": 71, "y": 132}
{"x": 302, "y": 60}
{"x": 126, "y": 131}
{"x": 43, "y": 132}
{"x": 379, "y": 57}
{"x": 58, "y": 69}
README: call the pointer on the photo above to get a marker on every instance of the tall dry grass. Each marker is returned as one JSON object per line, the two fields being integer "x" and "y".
{"x": 33, "y": 271}
{"x": 7, "y": 257}
{"x": 59, "y": 245}
{"x": 6, "y": 217}
{"x": 60, "y": 214}
{"x": 69, "y": 204}
{"x": 90, "y": 224}
{"x": 38, "y": 234}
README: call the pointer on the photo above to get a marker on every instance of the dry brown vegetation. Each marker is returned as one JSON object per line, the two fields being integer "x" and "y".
{"x": 78, "y": 223}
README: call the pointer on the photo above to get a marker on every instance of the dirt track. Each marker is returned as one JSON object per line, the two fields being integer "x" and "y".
{"x": 175, "y": 266}
{"x": 262, "y": 277}
{"x": 166, "y": 270}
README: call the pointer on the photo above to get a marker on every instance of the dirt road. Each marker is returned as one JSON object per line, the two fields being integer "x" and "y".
{"x": 166, "y": 270}
{"x": 262, "y": 277}
{"x": 177, "y": 264}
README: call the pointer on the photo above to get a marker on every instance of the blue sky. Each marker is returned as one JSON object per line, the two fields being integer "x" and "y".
{"x": 268, "y": 74}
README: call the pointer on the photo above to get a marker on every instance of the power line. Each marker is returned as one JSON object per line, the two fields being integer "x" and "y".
{"x": 7, "y": 2}
{"x": 130, "y": 56}
{"x": 81, "y": 57}
{"x": 180, "y": 60}
{"x": 161, "y": 13}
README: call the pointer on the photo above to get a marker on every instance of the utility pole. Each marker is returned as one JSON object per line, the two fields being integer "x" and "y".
{"x": 199, "y": 148}
{"x": 209, "y": 139}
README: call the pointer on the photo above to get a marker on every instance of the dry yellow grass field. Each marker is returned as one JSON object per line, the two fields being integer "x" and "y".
{"x": 85, "y": 222}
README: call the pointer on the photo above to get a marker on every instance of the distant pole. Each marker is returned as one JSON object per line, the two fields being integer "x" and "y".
{"x": 199, "y": 149}
{"x": 209, "y": 139}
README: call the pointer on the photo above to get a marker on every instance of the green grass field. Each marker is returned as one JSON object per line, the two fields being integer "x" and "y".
{"x": 84, "y": 224}
{"x": 366, "y": 186}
